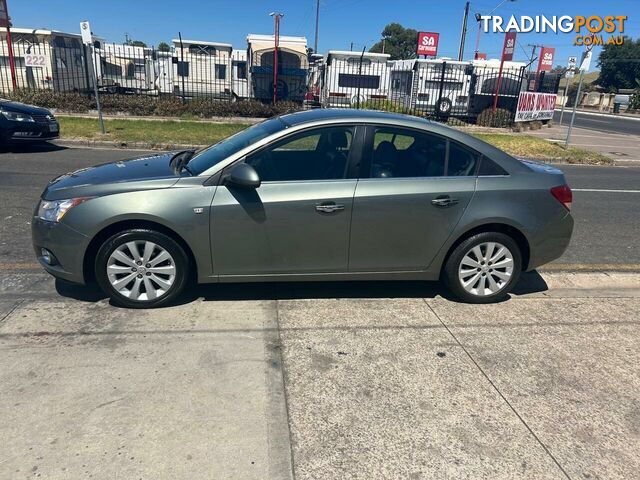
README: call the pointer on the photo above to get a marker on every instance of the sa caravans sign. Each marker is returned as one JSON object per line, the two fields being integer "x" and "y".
{"x": 535, "y": 106}
{"x": 428, "y": 43}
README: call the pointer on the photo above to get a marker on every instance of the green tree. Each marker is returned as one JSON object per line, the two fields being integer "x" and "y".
{"x": 137, "y": 43}
{"x": 397, "y": 41}
{"x": 164, "y": 47}
{"x": 619, "y": 65}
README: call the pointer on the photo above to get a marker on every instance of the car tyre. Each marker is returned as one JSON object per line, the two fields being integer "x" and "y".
{"x": 474, "y": 274}
{"x": 133, "y": 284}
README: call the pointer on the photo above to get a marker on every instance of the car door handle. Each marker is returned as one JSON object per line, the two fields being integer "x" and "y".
{"x": 444, "y": 201}
{"x": 329, "y": 207}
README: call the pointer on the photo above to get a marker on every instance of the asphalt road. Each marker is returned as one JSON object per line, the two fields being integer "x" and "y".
{"x": 607, "y": 214}
{"x": 609, "y": 123}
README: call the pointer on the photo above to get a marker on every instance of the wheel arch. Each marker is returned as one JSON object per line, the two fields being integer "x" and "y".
{"x": 513, "y": 232}
{"x": 110, "y": 230}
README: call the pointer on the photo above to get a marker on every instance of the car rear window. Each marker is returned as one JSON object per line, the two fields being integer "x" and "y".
{"x": 489, "y": 168}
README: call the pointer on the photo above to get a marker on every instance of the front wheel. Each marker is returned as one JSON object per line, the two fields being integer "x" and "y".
{"x": 141, "y": 268}
{"x": 483, "y": 268}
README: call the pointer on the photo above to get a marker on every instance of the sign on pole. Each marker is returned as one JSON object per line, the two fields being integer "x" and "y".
{"x": 87, "y": 48}
{"x": 572, "y": 62}
{"x": 509, "y": 46}
{"x": 546, "y": 59}
{"x": 428, "y": 43}
{"x": 4, "y": 14}
{"x": 585, "y": 63}
{"x": 507, "y": 55}
{"x": 85, "y": 31}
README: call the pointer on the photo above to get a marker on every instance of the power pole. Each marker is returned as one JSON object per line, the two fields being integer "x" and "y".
{"x": 463, "y": 34}
{"x": 315, "y": 42}
{"x": 276, "y": 41}
{"x": 533, "y": 51}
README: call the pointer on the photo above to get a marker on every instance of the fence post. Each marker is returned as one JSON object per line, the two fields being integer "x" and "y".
{"x": 184, "y": 101}
{"x": 441, "y": 88}
{"x": 359, "y": 79}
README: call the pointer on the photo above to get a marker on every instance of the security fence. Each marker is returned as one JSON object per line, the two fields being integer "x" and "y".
{"x": 188, "y": 70}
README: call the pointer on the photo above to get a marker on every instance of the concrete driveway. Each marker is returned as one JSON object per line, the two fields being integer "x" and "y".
{"x": 322, "y": 381}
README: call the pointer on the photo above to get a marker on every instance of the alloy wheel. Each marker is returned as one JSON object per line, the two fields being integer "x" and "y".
{"x": 486, "y": 269}
{"x": 141, "y": 270}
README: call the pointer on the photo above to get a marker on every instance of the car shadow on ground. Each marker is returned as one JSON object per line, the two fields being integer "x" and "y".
{"x": 30, "y": 147}
{"x": 530, "y": 282}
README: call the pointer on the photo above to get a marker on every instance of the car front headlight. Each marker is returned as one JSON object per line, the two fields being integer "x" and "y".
{"x": 54, "y": 210}
{"x": 16, "y": 117}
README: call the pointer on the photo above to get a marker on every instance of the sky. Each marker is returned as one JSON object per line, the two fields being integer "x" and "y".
{"x": 341, "y": 21}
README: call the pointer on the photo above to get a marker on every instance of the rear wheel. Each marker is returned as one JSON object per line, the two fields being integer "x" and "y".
{"x": 141, "y": 268}
{"x": 483, "y": 268}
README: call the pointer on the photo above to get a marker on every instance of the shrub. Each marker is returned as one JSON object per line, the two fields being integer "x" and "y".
{"x": 385, "y": 106}
{"x": 499, "y": 118}
{"x": 148, "y": 105}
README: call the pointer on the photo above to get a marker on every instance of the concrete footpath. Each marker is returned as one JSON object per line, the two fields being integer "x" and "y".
{"x": 322, "y": 381}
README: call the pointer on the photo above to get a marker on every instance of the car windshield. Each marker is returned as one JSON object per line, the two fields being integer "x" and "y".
{"x": 216, "y": 153}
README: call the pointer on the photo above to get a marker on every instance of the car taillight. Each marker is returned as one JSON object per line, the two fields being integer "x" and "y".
{"x": 564, "y": 195}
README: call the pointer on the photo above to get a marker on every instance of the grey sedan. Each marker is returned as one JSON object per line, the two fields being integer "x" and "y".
{"x": 316, "y": 195}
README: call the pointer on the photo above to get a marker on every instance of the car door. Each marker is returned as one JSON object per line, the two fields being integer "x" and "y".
{"x": 414, "y": 187}
{"x": 298, "y": 220}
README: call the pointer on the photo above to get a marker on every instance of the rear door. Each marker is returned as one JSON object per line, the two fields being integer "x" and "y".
{"x": 414, "y": 187}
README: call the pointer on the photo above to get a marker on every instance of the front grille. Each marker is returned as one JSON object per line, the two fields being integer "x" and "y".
{"x": 43, "y": 118}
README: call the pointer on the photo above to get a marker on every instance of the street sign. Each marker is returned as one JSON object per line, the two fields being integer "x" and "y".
{"x": 427, "y": 43}
{"x": 546, "y": 59}
{"x": 571, "y": 64}
{"x": 4, "y": 15}
{"x": 585, "y": 61}
{"x": 85, "y": 30}
{"x": 569, "y": 74}
{"x": 509, "y": 46}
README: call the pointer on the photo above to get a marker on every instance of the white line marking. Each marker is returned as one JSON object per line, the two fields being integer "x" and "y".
{"x": 603, "y": 190}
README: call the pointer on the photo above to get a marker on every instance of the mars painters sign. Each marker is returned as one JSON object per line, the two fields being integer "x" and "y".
{"x": 535, "y": 106}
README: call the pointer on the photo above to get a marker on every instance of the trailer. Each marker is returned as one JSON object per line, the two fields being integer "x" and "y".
{"x": 293, "y": 67}
{"x": 44, "y": 60}
{"x": 485, "y": 80}
{"x": 353, "y": 78}
{"x": 124, "y": 68}
{"x": 163, "y": 72}
{"x": 202, "y": 69}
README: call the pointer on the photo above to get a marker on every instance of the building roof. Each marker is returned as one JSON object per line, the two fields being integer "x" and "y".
{"x": 255, "y": 37}
{"x": 349, "y": 53}
{"x": 176, "y": 41}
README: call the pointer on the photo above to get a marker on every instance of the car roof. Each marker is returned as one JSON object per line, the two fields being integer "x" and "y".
{"x": 348, "y": 115}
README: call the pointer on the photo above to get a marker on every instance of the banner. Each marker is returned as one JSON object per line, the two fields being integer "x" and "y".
{"x": 509, "y": 46}
{"x": 4, "y": 16}
{"x": 427, "y": 43}
{"x": 546, "y": 59}
{"x": 535, "y": 106}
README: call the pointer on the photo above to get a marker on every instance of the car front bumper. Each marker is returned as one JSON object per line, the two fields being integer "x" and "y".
{"x": 29, "y": 131}
{"x": 66, "y": 245}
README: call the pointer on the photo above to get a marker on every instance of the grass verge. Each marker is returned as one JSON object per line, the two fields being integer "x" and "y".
{"x": 155, "y": 133}
{"x": 152, "y": 132}
{"x": 540, "y": 149}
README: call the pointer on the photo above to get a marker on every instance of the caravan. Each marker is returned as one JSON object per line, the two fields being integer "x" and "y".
{"x": 202, "y": 68}
{"x": 44, "y": 60}
{"x": 434, "y": 86}
{"x": 124, "y": 68}
{"x": 293, "y": 67}
{"x": 352, "y": 78}
{"x": 239, "y": 77}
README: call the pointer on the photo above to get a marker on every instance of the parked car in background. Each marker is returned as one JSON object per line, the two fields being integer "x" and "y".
{"x": 21, "y": 122}
{"x": 325, "y": 194}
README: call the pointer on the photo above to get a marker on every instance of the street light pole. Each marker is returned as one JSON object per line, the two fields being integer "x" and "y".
{"x": 315, "y": 41}
{"x": 463, "y": 34}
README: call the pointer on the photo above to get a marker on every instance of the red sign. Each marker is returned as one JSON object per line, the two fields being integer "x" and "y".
{"x": 427, "y": 43}
{"x": 481, "y": 56}
{"x": 4, "y": 16}
{"x": 546, "y": 59}
{"x": 509, "y": 46}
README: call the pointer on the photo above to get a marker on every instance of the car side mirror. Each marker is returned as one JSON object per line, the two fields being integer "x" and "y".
{"x": 244, "y": 175}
